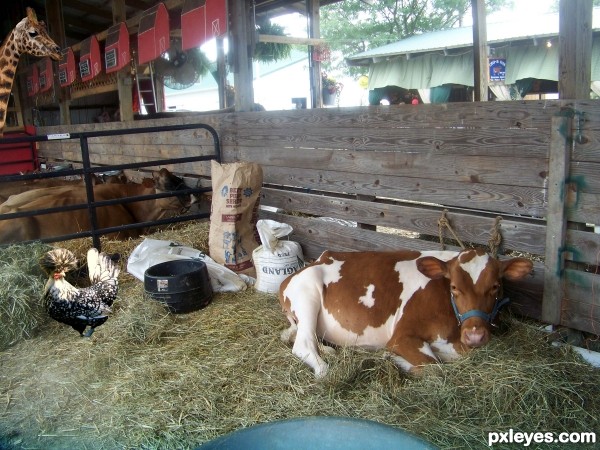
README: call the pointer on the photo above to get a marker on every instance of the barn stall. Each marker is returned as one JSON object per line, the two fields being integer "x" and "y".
{"x": 516, "y": 178}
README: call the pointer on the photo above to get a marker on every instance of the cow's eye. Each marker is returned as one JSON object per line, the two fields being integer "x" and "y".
{"x": 454, "y": 288}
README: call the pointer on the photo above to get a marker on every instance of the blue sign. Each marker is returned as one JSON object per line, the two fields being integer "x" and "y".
{"x": 497, "y": 69}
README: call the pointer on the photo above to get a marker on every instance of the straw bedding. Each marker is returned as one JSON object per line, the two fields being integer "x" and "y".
{"x": 153, "y": 380}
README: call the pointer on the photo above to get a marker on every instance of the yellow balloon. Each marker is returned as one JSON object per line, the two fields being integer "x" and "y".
{"x": 363, "y": 81}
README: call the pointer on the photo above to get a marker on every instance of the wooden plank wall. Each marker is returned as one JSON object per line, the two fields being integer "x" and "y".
{"x": 390, "y": 171}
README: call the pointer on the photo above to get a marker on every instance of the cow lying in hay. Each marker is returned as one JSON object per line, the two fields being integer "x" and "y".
{"x": 62, "y": 223}
{"x": 424, "y": 307}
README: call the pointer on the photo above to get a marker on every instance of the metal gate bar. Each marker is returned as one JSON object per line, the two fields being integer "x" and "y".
{"x": 87, "y": 170}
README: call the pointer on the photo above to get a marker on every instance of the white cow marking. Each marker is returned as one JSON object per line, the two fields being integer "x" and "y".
{"x": 401, "y": 362}
{"x": 444, "y": 350}
{"x": 412, "y": 280}
{"x": 368, "y": 299}
{"x": 475, "y": 266}
{"x": 332, "y": 272}
{"x": 426, "y": 350}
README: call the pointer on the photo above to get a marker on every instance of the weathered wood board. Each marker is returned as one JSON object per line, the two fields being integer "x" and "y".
{"x": 393, "y": 170}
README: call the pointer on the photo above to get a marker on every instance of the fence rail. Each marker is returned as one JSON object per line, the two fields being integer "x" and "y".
{"x": 88, "y": 169}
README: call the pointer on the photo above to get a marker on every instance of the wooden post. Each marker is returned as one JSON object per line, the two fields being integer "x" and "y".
{"x": 56, "y": 27}
{"x": 556, "y": 221}
{"x": 575, "y": 51}
{"x": 221, "y": 77}
{"x": 124, "y": 79}
{"x": 241, "y": 46}
{"x": 314, "y": 31}
{"x": 480, "y": 55}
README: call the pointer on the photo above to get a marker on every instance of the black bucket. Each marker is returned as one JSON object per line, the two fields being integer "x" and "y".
{"x": 182, "y": 285}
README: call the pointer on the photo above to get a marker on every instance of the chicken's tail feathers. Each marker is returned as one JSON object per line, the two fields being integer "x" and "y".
{"x": 101, "y": 267}
{"x": 58, "y": 260}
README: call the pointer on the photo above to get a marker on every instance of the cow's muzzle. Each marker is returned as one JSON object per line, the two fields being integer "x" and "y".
{"x": 489, "y": 318}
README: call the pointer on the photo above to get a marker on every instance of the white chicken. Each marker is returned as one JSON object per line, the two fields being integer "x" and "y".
{"x": 80, "y": 307}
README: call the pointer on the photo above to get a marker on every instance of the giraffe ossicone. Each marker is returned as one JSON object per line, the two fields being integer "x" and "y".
{"x": 28, "y": 36}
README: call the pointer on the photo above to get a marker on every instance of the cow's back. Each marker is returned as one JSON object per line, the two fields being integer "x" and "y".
{"x": 363, "y": 295}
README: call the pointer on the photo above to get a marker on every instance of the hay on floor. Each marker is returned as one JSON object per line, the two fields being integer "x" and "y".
{"x": 154, "y": 380}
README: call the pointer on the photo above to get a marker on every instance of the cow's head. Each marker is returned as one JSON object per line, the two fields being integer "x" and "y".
{"x": 165, "y": 181}
{"x": 475, "y": 287}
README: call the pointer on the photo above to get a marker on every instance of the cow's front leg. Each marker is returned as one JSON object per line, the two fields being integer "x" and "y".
{"x": 411, "y": 353}
{"x": 289, "y": 334}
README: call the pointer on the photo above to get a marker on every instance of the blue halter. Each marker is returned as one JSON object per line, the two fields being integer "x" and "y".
{"x": 477, "y": 312}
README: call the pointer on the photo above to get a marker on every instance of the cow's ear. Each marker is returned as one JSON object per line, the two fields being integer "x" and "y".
{"x": 516, "y": 268}
{"x": 432, "y": 267}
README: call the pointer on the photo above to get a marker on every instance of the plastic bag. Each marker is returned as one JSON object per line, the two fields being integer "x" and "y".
{"x": 154, "y": 251}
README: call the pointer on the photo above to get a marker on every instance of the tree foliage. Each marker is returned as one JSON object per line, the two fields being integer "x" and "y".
{"x": 354, "y": 26}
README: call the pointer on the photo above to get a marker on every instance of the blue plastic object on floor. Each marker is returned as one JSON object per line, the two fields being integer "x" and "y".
{"x": 319, "y": 433}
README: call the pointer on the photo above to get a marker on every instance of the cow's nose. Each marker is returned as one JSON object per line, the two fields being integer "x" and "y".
{"x": 475, "y": 337}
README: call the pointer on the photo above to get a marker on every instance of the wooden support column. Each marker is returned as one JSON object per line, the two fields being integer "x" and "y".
{"x": 314, "y": 32}
{"x": 221, "y": 75}
{"x": 480, "y": 54}
{"x": 575, "y": 49}
{"x": 556, "y": 221}
{"x": 242, "y": 37}
{"x": 56, "y": 28}
{"x": 124, "y": 78}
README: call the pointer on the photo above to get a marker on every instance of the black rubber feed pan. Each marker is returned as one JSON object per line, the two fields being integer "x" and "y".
{"x": 182, "y": 285}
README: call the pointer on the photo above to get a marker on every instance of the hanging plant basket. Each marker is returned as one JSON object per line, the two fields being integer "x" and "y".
{"x": 270, "y": 51}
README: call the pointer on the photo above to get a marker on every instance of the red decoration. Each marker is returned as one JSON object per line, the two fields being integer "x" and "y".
{"x": 33, "y": 86}
{"x": 66, "y": 68}
{"x": 321, "y": 53}
{"x": 193, "y": 18}
{"x": 90, "y": 62}
{"x": 216, "y": 18}
{"x": 202, "y": 20}
{"x": 153, "y": 34}
{"x": 46, "y": 74}
{"x": 116, "y": 50}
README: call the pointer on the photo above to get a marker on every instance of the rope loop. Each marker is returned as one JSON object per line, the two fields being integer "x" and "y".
{"x": 444, "y": 222}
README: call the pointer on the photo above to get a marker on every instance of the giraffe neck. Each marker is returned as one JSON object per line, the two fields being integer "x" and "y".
{"x": 9, "y": 59}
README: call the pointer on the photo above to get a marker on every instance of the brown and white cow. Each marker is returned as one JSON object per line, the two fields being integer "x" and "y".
{"x": 62, "y": 223}
{"x": 423, "y": 307}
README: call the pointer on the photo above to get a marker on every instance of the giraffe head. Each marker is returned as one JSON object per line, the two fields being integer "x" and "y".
{"x": 31, "y": 37}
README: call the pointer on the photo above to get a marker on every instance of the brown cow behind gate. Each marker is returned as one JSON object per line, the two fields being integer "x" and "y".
{"x": 56, "y": 224}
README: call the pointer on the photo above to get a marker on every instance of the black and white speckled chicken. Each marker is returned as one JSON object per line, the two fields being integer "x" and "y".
{"x": 80, "y": 307}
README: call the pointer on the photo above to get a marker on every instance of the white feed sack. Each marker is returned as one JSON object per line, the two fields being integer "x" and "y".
{"x": 275, "y": 259}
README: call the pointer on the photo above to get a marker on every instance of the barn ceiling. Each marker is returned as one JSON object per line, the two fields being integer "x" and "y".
{"x": 83, "y": 18}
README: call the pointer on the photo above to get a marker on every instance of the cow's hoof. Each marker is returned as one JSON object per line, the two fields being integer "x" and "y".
{"x": 288, "y": 335}
{"x": 328, "y": 350}
{"x": 321, "y": 371}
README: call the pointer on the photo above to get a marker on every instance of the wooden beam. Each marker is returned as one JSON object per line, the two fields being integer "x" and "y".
{"x": 133, "y": 23}
{"x": 289, "y": 40}
{"x": 90, "y": 9}
{"x": 480, "y": 56}
{"x": 556, "y": 222}
{"x": 575, "y": 49}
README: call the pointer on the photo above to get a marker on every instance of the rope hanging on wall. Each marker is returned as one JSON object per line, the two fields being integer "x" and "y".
{"x": 493, "y": 243}
{"x": 443, "y": 222}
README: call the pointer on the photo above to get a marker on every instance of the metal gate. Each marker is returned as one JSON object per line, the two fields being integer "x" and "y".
{"x": 87, "y": 170}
